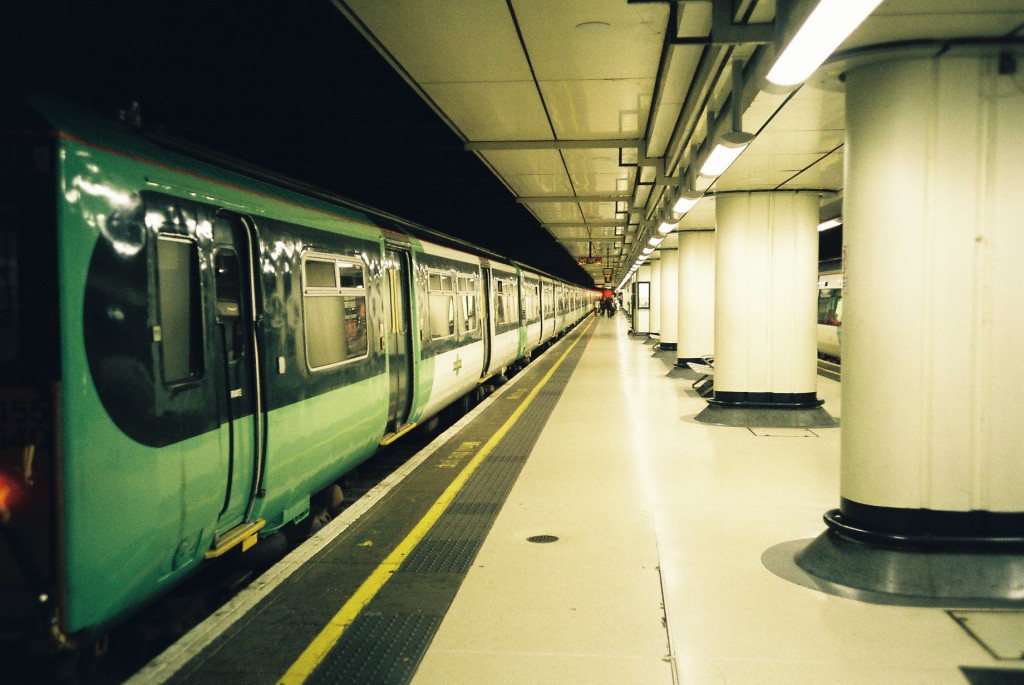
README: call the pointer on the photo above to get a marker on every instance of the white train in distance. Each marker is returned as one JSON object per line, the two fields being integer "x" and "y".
{"x": 830, "y": 314}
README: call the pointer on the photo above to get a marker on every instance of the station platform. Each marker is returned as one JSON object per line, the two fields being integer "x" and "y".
{"x": 580, "y": 526}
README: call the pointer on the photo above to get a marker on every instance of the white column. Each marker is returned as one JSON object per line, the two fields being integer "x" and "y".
{"x": 933, "y": 319}
{"x": 696, "y": 295}
{"x": 766, "y": 299}
{"x": 668, "y": 251}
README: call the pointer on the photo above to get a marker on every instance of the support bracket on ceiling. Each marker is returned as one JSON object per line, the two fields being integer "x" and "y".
{"x": 724, "y": 30}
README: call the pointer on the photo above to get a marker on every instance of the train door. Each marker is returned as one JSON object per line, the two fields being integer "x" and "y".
{"x": 399, "y": 339}
{"x": 235, "y": 334}
{"x": 487, "y": 329}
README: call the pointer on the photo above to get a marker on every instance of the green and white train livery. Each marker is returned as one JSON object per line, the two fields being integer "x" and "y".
{"x": 188, "y": 354}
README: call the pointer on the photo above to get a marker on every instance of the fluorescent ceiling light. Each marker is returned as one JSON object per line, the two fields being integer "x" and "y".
{"x": 686, "y": 202}
{"x": 725, "y": 153}
{"x": 648, "y": 250}
{"x": 665, "y": 228}
{"x": 831, "y": 223}
{"x": 826, "y": 27}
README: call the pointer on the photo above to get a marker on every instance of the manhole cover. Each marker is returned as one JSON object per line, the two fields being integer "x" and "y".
{"x": 542, "y": 538}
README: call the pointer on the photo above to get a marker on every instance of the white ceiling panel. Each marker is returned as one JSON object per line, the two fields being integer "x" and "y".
{"x": 574, "y": 233}
{"x": 596, "y": 109}
{"x": 598, "y": 211}
{"x": 503, "y": 110}
{"x": 826, "y": 173}
{"x": 530, "y": 172}
{"x": 556, "y": 212}
{"x": 596, "y": 39}
{"x": 447, "y": 42}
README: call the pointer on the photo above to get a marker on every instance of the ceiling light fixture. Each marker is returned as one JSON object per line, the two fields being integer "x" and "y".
{"x": 828, "y": 25}
{"x": 686, "y": 202}
{"x": 733, "y": 143}
{"x": 830, "y": 223}
{"x": 729, "y": 147}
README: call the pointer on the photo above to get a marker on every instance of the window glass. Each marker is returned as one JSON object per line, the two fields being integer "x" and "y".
{"x": 320, "y": 274}
{"x": 334, "y": 310}
{"x": 181, "y": 329}
{"x": 442, "y": 315}
{"x": 513, "y": 301}
{"x": 9, "y": 334}
{"x": 441, "y": 305}
{"x": 829, "y": 311}
{"x": 350, "y": 275}
{"x": 470, "y": 320}
{"x": 228, "y": 287}
{"x": 499, "y": 301}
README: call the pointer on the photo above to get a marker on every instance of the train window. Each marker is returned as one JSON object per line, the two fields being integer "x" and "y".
{"x": 334, "y": 309}
{"x": 8, "y": 295}
{"x": 181, "y": 328}
{"x": 320, "y": 274}
{"x": 512, "y": 308}
{"x": 350, "y": 275}
{"x": 228, "y": 287}
{"x": 470, "y": 320}
{"x": 499, "y": 301}
{"x": 441, "y": 306}
{"x": 830, "y": 306}
{"x": 468, "y": 297}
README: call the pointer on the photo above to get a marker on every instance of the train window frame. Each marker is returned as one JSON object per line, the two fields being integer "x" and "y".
{"x": 469, "y": 303}
{"x": 441, "y": 304}
{"x": 349, "y": 290}
{"x": 166, "y": 336}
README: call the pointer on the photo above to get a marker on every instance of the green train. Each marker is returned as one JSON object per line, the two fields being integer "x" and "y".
{"x": 189, "y": 353}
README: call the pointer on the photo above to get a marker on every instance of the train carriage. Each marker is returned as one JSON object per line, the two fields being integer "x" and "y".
{"x": 189, "y": 353}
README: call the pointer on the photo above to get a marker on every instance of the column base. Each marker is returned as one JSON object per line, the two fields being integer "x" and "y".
{"x": 836, "y": 565}
{"x": 766, "y": 400}
{"x": 929, "y": 529}
{"x": 746, "y": 417}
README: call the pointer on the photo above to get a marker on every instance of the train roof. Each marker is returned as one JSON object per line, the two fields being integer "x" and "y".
{"x": 131, "y": 137}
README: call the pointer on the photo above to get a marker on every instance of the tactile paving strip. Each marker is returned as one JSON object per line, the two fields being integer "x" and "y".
{"x": 448, "y": 550}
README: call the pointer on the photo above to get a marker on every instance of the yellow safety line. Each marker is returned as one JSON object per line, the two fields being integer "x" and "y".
{"x": 331, "y": 633}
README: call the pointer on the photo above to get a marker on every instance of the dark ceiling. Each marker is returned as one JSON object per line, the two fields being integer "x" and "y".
{"x": 287, "y": 85}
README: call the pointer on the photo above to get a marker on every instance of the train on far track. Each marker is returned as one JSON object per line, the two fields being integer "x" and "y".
{"x": 830, "y": 312}
{"x": 190, "y": 353}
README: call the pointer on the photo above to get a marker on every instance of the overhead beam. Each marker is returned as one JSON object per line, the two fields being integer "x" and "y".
{"x": 617, "y": 238}
{"x": 483, "y": 145}
{"x": 619, "y": 197}
{"x": 588, "y": 224}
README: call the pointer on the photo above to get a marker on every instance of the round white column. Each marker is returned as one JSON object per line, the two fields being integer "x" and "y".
{"x": 766, "y": 276}
{"x": 696, "y": 296}
{"x": 668, "y": 251}
{"x": 933, "y": 374}
{"x": 655, "y": 263}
